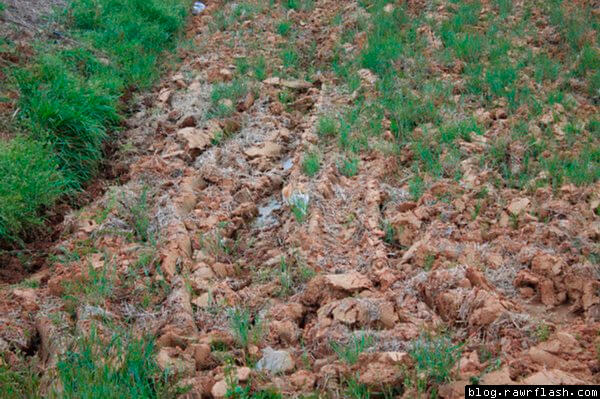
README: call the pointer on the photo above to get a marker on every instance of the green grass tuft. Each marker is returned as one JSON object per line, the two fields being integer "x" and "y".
{"x": 70, "y": 98}
{"x": 121, "y": 368}
{"x": 435, "y": 357}
{"x": 29, "y": 180}
{"x": 350, "y": 351}
{"x": 311, "y": 164}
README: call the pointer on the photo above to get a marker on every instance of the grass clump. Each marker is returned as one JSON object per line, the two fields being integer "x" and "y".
{"x": 29, "y": 180}
{"x": 71, "y": 97}
{"x": 260, "y": 68}
{"x": 350, "y": 351}
{"x": 298, "y": 5}
{"x": 326, "y": 126}
{"x": 356, "y": 390}
{"x": 542, "y": 332}
{"x": 243, "y": 328}
{"x": 284, "y": 28}
{"x": 311, "y": 164}
{"x": 224, "y": 97}
{"x": 299, "y": 206}
{"x": 121, "y": 368}
{"x": 349, "y": 166}
{"x": 435, "y": 357}
{"x": 19, "y": 383}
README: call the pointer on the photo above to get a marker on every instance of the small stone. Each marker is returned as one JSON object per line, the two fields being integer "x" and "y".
{"x": 203, "y": 356}
{"x": 243, "y": 374}
{"x": 275, "y": 361}
{"x": 303, "y": 379}
{"x": 227, "y": 103}
{"x": 348, "y": 281}
{"x": 219, "y": 390}
{"x": 518, "y": 205}
{"x": 225, "y": 74}
{"x": 268, "y": 149}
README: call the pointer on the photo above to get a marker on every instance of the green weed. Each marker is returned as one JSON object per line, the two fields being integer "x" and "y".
{"x": 356, "y": 390}
{"x": 545, "y": 68}
{"x": 435, "y": 357}
{"x": 65, "y": 110}
{"x": 140, "y": 217}
{"x": 284, "y": 28}
{"x": 542, "y": 332}
{"x": 299, "y": 206}
{"x": 260, "y": 68}
{"x": 97, "y": 285}
{"x": 326, "y": 126}
{"x": 350, "y": 351}
{"x": 29, "y": 180}
{"x": 460, "y": 129}
{"x": 290, "y": 58}
{"x": 70, "y": 97}
{"x": 389, "y": 232}
{"x": 19, "y": 383}
{"x": 242, "y": 65}
{"x": 298, "y": 4}
{"x": 311, "y": 164}
{"x": 349, "y": 166}
{"x": 122, "y": 367}
{"x": 224, "y": 97}
{"x": 243, "y": 329}
{"x": 416, "y": 187}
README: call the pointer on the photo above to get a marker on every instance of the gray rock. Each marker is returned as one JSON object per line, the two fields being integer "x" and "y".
{"x": 275, "y": 361}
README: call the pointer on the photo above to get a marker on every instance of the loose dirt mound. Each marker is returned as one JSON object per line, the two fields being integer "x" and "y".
{"x": 251, "y": 273}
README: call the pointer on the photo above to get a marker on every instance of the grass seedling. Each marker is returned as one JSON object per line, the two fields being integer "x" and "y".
{"x": 349, "y": 167}
{"x": 350, "y": 351}
{"x": 326, "y": 126}
{"x": 311, "y": 164}
{"x": 243, "y": 329}
{"x": 435, "y": 357}
{"x": 260, "y": 69}
{"x": 284, "y": 28}
{"x": 121, "y": 367}
{"x": 299, "y": 206}
{"x": 356, "y": 390}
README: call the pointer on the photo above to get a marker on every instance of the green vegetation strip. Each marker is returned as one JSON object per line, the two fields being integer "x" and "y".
{"x": 430, "y": 118}
{"x": 70, "y": 97}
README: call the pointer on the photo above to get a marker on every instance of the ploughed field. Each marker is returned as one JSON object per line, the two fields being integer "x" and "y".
{"x": 336, "y": 199}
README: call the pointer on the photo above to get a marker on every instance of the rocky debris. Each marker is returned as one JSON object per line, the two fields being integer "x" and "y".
{"x": 303, "y": 380}
{"x": 290, "y": 84}
{"x": 269, "y": 150}
{"x": 275, "y": 361}
{"x": 375, "y": 374}
{"x": 54, "y": 341}
{"x": 28, "y": 297}
{"x": 358, "y": 313}
{"x": 518, "y": 205}
{"x": 196, "y": 140}
{"x": 552, "y": 377}
{"x": 219, "y": 390}
{"x": 348, "y": 281}
{"x": 176, "y": 361}
{"x": 509, "y": 273}
{"x": 188, "y": 122}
